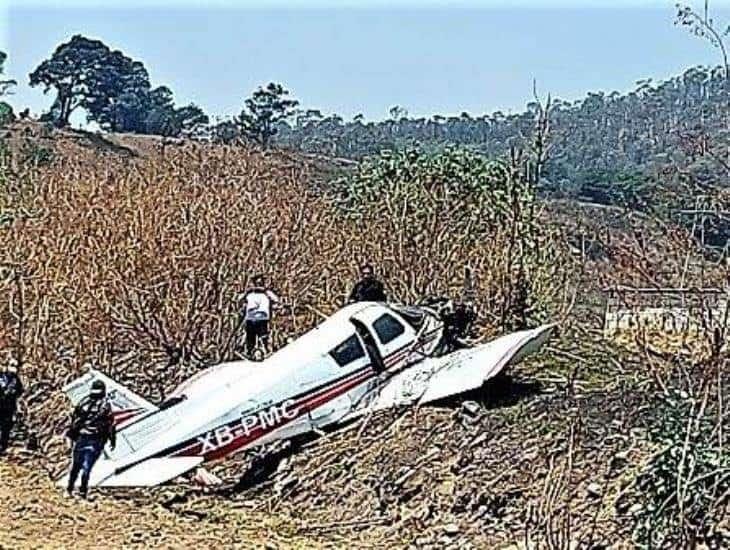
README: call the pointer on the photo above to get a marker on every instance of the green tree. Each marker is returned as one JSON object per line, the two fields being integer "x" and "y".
{"x": 160, "y": 113}
{"x": 226, "y": 131}
{"x": 192, "y": 120}
{"x": 6, "y": 111}
{"x": 5, "y": 85}
{"x": 70, "y": 70}
{"x": 113, "y": 89}
{"x": 264, "y": 110}
{"x": 119, "y": 94}
{"x": 164, "y": 119}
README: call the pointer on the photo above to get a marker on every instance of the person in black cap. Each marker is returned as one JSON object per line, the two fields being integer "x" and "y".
{"x": 92, "y": 425}
{"x": 11, "y": 388}
{"x": 368, "y": 288}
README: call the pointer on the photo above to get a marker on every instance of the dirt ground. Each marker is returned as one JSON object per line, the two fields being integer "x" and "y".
{"x": 35, "y": 514}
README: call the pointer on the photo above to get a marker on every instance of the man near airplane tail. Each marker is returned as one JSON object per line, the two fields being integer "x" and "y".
{"x": 92, "y": 425}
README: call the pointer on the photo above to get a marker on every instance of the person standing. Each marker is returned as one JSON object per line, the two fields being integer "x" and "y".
{"x": 11, "y": 388}
{"x": 92, "y": 425}
{"x": 368, "y": 288}
{"x": 258, "y": 302}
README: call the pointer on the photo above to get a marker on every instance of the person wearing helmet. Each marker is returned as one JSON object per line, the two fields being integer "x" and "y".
{"x": 92, "y": 425}
{"x": 11, "y": 388}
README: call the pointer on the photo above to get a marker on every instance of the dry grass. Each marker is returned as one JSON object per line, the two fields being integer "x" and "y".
{"x": 134, "y": 263}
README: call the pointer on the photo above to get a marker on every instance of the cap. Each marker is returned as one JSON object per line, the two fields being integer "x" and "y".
{"x": 98, "y": 387}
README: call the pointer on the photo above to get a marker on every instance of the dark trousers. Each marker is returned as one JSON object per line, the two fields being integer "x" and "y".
{"x": 85, "y": 454}
{"x": 7, "y": 420}
{"x": 256, "y": 329}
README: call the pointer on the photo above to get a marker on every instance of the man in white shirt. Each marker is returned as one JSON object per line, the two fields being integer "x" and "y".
{"x": 257, "y": 305}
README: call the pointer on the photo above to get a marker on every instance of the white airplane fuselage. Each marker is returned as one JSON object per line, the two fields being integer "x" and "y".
{"x": 367, "y": 355}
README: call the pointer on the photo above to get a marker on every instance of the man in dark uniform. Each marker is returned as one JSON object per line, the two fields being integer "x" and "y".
{"x": 92, "y": 425}
{"x": 11, "y": 388}
{"x": 368, "y": 288}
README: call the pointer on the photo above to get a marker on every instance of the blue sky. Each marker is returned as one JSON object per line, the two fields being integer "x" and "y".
{"x": 355, "y": 57}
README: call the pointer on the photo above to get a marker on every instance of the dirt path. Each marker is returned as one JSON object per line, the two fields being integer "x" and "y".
{"x": 35, "y": 514}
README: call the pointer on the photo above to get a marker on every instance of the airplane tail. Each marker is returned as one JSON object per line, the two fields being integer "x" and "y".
{"x": 126, "y": 405}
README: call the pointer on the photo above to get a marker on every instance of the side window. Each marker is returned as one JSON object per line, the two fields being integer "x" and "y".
{"x": 388, "y": 328}
{"x": 348, "y": 351}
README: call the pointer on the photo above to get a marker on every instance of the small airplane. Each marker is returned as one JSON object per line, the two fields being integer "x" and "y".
{"x": 366, "y": 357}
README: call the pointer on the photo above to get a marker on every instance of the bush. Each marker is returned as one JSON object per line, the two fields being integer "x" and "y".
{"x": 6, "y": 114}
{"x": 683, "y": 487}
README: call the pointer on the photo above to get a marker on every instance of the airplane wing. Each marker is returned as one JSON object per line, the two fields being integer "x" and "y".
{"x": 148, "y": 473}
{"x": 125, "y": 403}
{"x": 458, "y": 372}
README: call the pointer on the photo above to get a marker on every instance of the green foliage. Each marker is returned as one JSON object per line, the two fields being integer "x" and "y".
{"x": 681, "y": 490}
{"x": 119, "y": 93}
{"x": 32, "y": 153}
{"x": 5, "y": 85}
{"x": 192, "y": 120}
{"x": 629, "y": 189}
{"x": 451, "y": 173}
{"x": 471, "y": 196}
{"x": 226, "y": 131}
{"x": 264, "y": 110}
{"x": 113, "y": 89}
{"x": 71, "y": 70}
{"x": 6, "y": 113}
{"x": 164, "y": 119}
{"x": 651, "y": 129}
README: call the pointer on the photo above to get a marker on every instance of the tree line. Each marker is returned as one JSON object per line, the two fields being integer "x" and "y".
{"x": 607, "y": 147}
{"x": 115, "y": 93}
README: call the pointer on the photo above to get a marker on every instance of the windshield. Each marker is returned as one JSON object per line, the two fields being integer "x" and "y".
{"x": 414, "y": 316}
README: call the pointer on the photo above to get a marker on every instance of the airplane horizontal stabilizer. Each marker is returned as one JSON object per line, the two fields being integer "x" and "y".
{"x": 126, "y": 404}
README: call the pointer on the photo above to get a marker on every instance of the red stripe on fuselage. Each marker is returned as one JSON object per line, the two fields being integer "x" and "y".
{"x": 259, "y": 431}
{"x": 120, "y": 417}
{"x": 304, "y": 405}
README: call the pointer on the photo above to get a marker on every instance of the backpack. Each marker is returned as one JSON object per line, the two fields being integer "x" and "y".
{"x": 91, "y": 418}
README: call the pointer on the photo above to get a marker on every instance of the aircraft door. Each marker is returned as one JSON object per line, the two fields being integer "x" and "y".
{"x": 350, "y": 356}
{"x": 372, "y": 348}
{"x": 387, "y": 338}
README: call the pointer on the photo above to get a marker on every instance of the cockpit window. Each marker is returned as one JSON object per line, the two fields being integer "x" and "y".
{"x": 388, "y": 328}
{"x": 348, "y": 351}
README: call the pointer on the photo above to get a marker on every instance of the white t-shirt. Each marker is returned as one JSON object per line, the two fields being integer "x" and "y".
{"x": 258, "y": 304}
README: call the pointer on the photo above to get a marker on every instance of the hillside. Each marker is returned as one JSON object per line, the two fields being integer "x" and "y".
{"x": 637, "y": 148}
{"x": 127, "y": 252}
